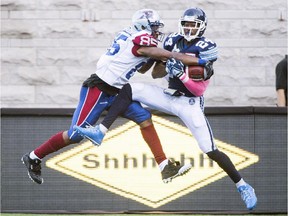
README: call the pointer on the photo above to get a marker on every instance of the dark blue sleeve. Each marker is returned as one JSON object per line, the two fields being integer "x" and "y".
{"x": 207, "y": 49}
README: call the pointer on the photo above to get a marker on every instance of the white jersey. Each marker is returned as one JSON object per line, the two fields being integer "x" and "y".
{"x": 121, "y": 61}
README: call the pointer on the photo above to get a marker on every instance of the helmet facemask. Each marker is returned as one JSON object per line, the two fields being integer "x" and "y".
{"x": 190, "y": 32}
{"x": 155, "y": 29}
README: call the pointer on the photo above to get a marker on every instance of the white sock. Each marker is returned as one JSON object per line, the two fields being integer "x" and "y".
{"x": 240, "y": 183}
{"x": 163, "y": 164}
{"x": 103, "y": 129}
{"x": 33, "y": 156}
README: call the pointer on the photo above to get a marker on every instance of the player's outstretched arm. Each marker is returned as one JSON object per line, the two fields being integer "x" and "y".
{"x": 164, "y": 55}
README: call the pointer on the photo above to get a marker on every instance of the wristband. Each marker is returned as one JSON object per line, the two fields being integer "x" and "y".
{"x": 202, "y": 61}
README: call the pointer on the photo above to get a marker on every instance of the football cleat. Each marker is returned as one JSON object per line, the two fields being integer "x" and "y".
{"x": 173, "y": 170}
{"x": 33, "y": 168}
{"x": 248, "y": 196}
{"x": 93, "y": 134}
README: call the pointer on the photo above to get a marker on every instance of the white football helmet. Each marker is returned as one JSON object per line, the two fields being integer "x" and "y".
{"x": 149, "y": 20}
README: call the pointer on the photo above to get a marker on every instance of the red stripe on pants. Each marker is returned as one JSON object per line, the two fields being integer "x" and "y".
{"x": 92, "y": 97}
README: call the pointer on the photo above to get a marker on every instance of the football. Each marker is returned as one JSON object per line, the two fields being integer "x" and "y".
{"x": 195, "y": 72}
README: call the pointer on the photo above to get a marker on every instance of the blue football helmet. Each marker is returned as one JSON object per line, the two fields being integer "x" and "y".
{"x": 197, "y": 17}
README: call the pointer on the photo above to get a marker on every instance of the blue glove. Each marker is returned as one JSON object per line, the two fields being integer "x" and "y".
{"x": 174, "y": 67}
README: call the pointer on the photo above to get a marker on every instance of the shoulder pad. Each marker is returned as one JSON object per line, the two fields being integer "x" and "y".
{"x": 171, "y": 40}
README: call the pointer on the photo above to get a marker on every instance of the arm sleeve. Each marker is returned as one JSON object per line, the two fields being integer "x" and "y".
{"x": 196, "y": 88}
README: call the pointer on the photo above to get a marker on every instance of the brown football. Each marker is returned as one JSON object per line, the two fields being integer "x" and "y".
{"x": 195, "y": 72}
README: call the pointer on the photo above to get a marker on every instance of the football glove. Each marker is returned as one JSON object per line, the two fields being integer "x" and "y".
{"x": 209, "y": 70}
{"x": 174, "y": 67}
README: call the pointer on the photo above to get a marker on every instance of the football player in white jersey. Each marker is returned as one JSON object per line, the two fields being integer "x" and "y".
{"x": 130, "y": 49}
{"x": 183, "y": 97}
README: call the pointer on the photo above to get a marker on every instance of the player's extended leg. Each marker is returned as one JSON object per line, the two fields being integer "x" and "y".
{"x": 119, "y": 107}
{"x": 142, "y": 117}
{"x": 124, "y": 105}
{"x": 86, "y": 112}
{"x": 191, "y": 113}
{"x": 247, "y": 192}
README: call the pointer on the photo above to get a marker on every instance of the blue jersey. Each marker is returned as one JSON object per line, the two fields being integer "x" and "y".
{"x": 200, "y": 47}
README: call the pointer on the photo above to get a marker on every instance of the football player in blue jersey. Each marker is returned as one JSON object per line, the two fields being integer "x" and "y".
{"x": 183, "y": 97}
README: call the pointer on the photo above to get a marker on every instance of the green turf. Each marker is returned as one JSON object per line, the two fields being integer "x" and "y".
{"x": 22, "y": 214}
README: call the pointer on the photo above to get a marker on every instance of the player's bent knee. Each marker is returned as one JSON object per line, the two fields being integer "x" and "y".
{"x": 146, "y": 123}
{"x": 137, "y": 113}
{"x": 205, "y": 144}
{"x": 214, "y": 155}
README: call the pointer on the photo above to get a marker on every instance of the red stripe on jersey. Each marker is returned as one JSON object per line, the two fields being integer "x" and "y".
{"x": 134, "y": 50}
{"x": 91, "y": 99}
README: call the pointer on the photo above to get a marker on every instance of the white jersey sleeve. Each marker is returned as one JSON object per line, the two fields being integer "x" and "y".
{"x": 121, "y": 60}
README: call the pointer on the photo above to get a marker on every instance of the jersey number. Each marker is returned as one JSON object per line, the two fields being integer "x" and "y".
{"x": 204, "y": 44}
{"x": 147, "y": 41}
{"x": 115, "y": 46}
{"x": 133, "y": 70}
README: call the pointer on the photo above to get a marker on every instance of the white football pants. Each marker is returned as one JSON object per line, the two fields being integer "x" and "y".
{"x": 189, "y": 109}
